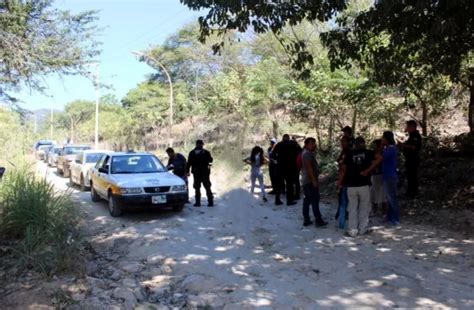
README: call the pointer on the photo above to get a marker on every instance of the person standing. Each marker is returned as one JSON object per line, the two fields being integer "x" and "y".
{"x": 377, "y": 193}
{"x": 177, "y": 164}
{"x": 389, "y": 162}
{"x": 256, "y": 161}
{"x": 343, "y": 199}
{"x": 298, "y": 150}
{"x": 286, "y": 153}
{"x": 310, "y": 182}
{"x": 358, "y": 187}
{"x": 199, "y": 163}
{"x": 273, "y": 169}
{"x": 348, "y": 133}
{"x": 411, "y": 150}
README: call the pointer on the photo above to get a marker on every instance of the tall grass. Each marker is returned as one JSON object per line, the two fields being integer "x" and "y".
{"x": 37, "y": 221}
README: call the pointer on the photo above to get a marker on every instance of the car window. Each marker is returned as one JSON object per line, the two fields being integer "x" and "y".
{"x": 100, "y": 162}
{"x": 92, "y": 158}
{"x": 106, "y": 163}
{"x": 70, "y": 150}
{"x": 79, "y": 158}
{"x": 136, "y": 164}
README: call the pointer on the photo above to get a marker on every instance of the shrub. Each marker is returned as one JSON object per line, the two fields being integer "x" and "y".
{"x": 38, "y": 221}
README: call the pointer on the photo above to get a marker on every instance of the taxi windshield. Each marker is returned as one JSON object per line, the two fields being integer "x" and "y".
{"x": 136, "y": 164}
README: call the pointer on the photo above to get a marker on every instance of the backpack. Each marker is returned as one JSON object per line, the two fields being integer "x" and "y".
{"x": 299, "y": 161}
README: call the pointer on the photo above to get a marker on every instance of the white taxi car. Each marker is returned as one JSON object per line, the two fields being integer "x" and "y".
{"x": 126, "y": 180}
{"x": 82, "y": 166}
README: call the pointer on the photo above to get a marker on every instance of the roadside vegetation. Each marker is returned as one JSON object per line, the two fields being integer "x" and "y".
{"x": 37, "y": 224}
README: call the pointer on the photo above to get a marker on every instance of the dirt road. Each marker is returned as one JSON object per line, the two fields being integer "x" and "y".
{"x": 243, "y": 254}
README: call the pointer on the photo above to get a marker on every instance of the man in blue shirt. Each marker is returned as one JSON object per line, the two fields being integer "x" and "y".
{"x": 389, "y": 173}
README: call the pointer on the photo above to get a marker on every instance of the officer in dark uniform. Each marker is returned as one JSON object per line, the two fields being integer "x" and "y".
{"x": 177, "y": 164}
{"x": 285, "y": 154}
{"x": 199, "y": 163}
{"x": 411, "y": 150}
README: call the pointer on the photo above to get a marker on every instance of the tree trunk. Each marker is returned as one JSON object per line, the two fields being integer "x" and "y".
{"x": 354, "y": 120}
{"x": 275, "y": 128}
{"x": 330, "y": 133}
{"x": 318, "y": 133}
{"x": 471, "y": 103}
{"x": 424, "y": 118}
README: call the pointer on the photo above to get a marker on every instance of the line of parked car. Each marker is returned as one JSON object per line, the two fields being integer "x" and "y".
{"x": 124, "y": 179}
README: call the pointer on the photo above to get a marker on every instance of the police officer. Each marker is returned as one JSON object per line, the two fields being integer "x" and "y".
{"x": 177, "y": 163}
{"x": 411, "y": 150}
{"x": 199, "y": 162}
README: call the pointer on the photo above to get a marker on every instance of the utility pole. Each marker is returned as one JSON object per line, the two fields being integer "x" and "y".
{"x": 51, "y": 125}
{"x": 170, "y": 128}
{"x": 96, "y": 82}
{"x": 35, "y": 123}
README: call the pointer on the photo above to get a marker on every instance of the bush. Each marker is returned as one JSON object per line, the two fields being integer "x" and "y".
{"x": 38, "y": 221}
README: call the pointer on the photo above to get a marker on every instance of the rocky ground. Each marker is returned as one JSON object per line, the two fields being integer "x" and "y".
{"x": 243, "y": 254}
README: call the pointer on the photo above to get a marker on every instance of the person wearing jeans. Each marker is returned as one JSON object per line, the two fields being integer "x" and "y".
{"x": 256, "y": 161}
{"x": 358, "y": 187}
{"x": 343, "y": 199}
{"x": 309, "y": 179}
{"x": 388, "y": 160}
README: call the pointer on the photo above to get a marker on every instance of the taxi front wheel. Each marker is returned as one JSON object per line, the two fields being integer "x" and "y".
{"x": 114, "y": 206}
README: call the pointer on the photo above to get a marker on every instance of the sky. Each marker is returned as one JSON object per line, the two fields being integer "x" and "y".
{"x": 129, "y": 25}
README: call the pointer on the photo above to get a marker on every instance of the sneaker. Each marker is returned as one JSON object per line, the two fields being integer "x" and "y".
{"x": 210, "y": 204}
{"x": 321, "y": 224}
{"x": 265, "y": 199}
{"x": 346, "y": 234}
{"x": 307, "y": 223}
{"x": 291, "y": 203}
{"x": 278, "y": 203}
{"x": 197, "y": 204}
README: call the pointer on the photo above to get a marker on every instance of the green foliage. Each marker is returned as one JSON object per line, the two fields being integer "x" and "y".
{"x": 37, "y": 40}
{"x": 13, "y": 144}
{"x": 39, "y": 219}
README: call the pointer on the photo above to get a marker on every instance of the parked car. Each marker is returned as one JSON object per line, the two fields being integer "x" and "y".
{"x": 43, "y": 142}
{"x": 66, "y": 156}
{"x": 41, "y": 151}
{"x": 126, "y": 180}
{"x": 82, "y": 165}
{"x": 53, "y": 156}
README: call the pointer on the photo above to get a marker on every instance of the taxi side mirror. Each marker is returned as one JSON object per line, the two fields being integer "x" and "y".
{"x": 103, "y": 170}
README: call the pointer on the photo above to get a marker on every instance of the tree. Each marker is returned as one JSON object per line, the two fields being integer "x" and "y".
{"x": 37, "y": 40}
{"x": 432, "y": 34}
{"x": 268, "y": 85}
{"x": 263, "y": 16}
{"x": 404, "y": 40}
{"x": 75, "y": 114}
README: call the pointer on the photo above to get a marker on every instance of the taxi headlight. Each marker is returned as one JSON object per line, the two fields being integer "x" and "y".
{"x": 178, "y": 188}
{"x": 130, "y": 190}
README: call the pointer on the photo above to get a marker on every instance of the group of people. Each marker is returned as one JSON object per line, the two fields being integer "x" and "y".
{"x": 367, "y": 178}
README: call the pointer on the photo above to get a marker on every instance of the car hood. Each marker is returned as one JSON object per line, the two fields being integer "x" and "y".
{"x": 146, "y": 179}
